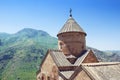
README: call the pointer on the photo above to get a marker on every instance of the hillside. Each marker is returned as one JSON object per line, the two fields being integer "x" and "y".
{"x": 22, "y": 52}
{"x": 114, "y": 55}
{"x": 108, "y": 56}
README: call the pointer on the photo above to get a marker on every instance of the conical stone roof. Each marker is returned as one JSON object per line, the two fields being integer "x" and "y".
{"x": 71, "y": 26}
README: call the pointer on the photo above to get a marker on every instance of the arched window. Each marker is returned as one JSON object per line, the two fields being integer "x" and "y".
{"x": 82, "y": 46}
{"x": 61, "y": 45}
{"x": 48, "y": 78}
{"x": 43, "y": 77}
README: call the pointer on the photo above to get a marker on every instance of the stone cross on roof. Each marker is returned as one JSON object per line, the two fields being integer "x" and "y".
{"x": 70, "y": 12}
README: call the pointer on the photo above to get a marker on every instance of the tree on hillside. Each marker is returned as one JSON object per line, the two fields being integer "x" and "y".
{"x": 0, "y": 42}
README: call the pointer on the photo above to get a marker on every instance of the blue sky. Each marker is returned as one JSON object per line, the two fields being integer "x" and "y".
{"x": 100, "y": 19}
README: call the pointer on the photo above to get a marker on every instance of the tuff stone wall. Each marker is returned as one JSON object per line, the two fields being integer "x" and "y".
{"x": 90, "y": 58}
{"x": 48, "y": 70}
{"x": 72, "y": 43}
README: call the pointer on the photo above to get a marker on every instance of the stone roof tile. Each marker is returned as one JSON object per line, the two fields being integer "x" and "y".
{"x": 103, "y": 71}
{"x": 71, "y": 26}
{"x": 60, "y": 59}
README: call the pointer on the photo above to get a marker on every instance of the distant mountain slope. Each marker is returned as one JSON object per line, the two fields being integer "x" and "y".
{"x": 107, "y": 55}
{"x": 22, "y": 52}
{"x": 113, "y": 55}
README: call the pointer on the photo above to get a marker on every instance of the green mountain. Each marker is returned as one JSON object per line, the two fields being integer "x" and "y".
{"x": 21, "y": 53}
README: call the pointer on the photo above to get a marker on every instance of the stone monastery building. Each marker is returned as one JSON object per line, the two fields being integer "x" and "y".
{"x": 72, "y": 61}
